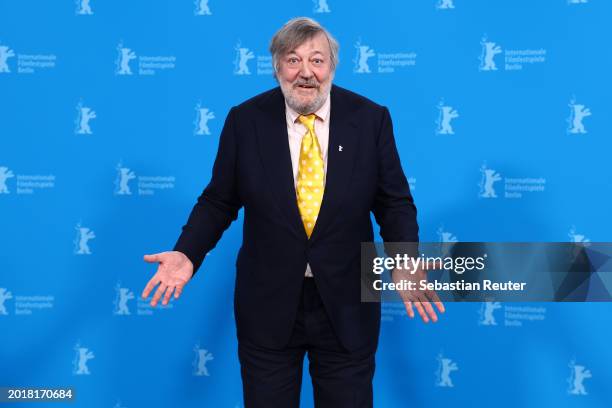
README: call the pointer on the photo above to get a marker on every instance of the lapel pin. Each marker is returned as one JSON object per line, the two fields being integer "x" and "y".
{"x": 340, "y": 148}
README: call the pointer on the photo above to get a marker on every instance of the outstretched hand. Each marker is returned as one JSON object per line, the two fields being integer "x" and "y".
{"x": 173, "y": 273}
{"x": 421, "y": 299}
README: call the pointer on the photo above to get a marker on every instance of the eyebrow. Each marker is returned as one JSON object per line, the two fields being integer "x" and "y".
{"x": 313, "y": 53}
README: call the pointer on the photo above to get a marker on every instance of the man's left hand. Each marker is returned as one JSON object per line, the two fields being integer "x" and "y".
{"x": 421, "y": 299}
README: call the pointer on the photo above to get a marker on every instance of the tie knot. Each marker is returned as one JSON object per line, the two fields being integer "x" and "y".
{"x": 308, "y": 121}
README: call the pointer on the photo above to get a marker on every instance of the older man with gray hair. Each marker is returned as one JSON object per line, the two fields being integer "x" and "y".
{"x": 309, "y": 161}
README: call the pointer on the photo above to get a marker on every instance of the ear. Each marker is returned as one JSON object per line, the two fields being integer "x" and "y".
{"x": 275, "y": 70}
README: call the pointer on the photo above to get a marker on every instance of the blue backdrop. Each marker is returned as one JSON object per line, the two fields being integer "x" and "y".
{"x": 110, "y": 113}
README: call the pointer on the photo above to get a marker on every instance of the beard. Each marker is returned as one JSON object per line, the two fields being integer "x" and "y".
{"x": 299, "y": 103}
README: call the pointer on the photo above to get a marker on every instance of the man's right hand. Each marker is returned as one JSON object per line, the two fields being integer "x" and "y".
{"x": 173, "y": 273}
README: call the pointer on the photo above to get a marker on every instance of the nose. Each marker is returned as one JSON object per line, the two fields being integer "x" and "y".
{"x": 305, "y": 71}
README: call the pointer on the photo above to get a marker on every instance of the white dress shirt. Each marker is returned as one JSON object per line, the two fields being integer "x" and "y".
{"x": 297, "y": 130}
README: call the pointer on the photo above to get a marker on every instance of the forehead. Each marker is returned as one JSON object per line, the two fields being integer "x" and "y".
{"x": 314, "y": 44}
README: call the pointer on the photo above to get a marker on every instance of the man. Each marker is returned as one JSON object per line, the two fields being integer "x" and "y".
{"x": 308, "y": 161}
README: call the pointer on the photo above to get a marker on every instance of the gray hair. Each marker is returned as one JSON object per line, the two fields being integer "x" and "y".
{"x": 294, "y": 33}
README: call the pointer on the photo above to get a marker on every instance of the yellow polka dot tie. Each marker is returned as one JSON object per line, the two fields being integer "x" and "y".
{"x": 310, "y": 175}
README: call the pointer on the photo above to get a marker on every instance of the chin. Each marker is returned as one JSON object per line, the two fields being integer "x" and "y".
{"x": 305, "y": 101}
{"x": 303, "y": 104}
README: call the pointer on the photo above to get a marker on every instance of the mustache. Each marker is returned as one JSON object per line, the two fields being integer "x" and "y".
{"x": 313, "y": 83}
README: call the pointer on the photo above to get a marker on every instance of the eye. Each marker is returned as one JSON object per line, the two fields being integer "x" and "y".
{"x": 317, "y": 61}
{"x": 292, "y": 60}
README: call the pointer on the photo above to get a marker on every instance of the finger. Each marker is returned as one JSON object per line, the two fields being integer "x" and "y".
{"x": 430, "y": 311}
{"x": 153, "y": 258}
{"x": 421, "y": 311}
{"x": 178, "y": 291}
{"x": 410, "y": 297}
{"x": 409, "y": 309}
{"x": 147, "y": 290}
{"x": 167, "y": 295}
{"x": 436, "y": 301}
{"x": 158, "y": 294}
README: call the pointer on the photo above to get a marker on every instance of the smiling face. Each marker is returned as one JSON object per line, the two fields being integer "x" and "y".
{"x": 305, "y": 74}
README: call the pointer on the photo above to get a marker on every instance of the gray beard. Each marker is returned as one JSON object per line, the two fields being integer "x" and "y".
{"x": 305, "y": 109}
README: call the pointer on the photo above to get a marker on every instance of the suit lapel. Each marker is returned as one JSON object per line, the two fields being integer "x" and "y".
{"x": 341, "y": 153}
{"x": 273, "y": 142}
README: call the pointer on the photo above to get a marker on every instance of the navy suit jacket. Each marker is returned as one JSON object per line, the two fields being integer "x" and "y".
{"x": 253, "y": 170}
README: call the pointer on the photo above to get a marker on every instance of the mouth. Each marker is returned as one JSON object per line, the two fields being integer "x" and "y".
{"x": 306, "y": 86}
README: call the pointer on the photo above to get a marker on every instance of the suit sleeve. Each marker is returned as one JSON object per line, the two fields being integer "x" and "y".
{"x": 219, "y": 203}
{"x": 394, "y": 208}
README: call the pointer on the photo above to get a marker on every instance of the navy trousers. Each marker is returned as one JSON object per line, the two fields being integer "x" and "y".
{"x": 273, "y": 377}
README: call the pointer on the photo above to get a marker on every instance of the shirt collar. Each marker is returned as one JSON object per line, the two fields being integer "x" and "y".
{"x": 322, "y": 113}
